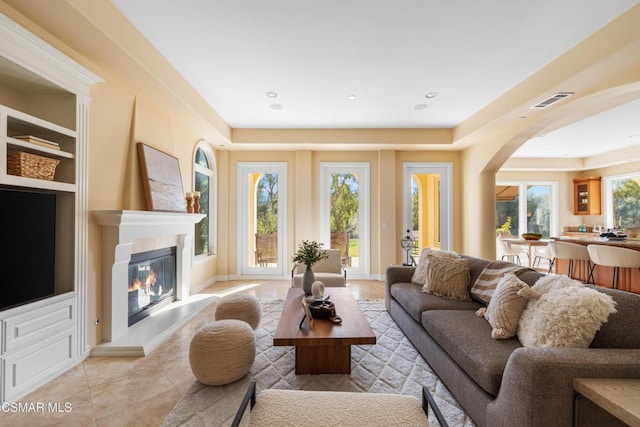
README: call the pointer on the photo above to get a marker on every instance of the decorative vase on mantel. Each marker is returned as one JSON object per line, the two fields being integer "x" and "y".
{"x": 307, "y": 280}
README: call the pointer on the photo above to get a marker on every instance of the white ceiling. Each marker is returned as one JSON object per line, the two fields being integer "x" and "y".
{"x": 608, "y": 131}
{"x": 315, "y": 54}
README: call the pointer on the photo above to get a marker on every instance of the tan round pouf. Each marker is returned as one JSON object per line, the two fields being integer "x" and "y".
{"x": 222, "y": 352}
{"x": 240, "y": 306}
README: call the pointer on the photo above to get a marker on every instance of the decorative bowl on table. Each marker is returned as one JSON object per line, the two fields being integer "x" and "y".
{"x": 531, "y": 236}
{"x": 322, "y": 309}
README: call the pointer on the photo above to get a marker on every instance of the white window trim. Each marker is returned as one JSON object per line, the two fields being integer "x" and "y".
{"x": 213, "y": 196}
{"x": 522, "y": 203}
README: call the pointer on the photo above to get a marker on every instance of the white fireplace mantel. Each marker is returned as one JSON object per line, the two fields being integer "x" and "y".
{"x": 125, "y": 231}
{"x": 140, "y": 224}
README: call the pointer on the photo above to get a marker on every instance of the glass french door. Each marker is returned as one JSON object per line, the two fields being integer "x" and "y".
{"x": 262, "y": 218}
{"x": 427, "y": 205}
{"x": 345, "y": 213}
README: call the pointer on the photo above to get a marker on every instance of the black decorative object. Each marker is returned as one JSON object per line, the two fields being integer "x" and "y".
{"x": 407, "y": 244}
{"x": 324, "y": 310}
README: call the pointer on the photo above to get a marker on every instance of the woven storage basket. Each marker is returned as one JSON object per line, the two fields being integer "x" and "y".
{"x": 31, "y": 166}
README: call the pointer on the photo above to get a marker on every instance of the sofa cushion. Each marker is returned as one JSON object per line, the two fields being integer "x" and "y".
{"x": 467, "y": 340}
{"x": 447, "y": 277}
{"x": 414, "y": 301}
{"x": 563, "y": 313}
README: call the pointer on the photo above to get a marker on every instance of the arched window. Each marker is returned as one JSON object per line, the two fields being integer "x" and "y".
{"x": 204, "y": 181}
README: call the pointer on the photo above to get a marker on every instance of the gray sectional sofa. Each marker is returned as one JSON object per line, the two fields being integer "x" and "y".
{"x": 500, "y": 382}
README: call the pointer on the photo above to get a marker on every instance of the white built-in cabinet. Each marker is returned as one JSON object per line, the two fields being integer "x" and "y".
{"x": 46, "y": 94}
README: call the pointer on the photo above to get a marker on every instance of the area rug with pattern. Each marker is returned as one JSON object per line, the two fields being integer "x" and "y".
{"x": 392, "y": 365}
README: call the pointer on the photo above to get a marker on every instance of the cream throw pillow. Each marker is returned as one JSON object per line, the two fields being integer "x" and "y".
{"x": 505, "y": 307}
{"x": 563, "y": 312}
{"x": 487, "y": 281}
{"x": 420, "y": 274}
{"x": 447, "y": 277}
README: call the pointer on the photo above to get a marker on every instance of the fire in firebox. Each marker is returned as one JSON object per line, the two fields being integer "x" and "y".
{"x": 152, "y": 280}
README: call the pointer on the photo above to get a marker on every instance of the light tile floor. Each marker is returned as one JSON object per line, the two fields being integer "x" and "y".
{"x": 141, "y": 391}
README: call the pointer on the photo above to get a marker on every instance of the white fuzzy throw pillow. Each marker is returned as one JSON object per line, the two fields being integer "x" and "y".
{"x": 562, "y": 312}
{"x": 420, "y": 274}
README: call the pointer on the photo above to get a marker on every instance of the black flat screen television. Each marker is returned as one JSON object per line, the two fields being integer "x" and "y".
{"x": 28, "y": 230}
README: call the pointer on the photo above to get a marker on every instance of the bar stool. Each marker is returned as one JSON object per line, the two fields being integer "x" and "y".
{"x": 572, "y": 252}
{"x": 613, "y": 256}
{"x": 541, "y": 253}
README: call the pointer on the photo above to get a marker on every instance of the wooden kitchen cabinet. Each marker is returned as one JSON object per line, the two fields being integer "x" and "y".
{"x": 586, "y": 196}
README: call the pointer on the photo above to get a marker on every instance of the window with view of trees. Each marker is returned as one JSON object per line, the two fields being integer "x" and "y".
{"x": 204, "y": 182}
{"x": 523, "y": 207}
{"x": 262, "y": 199}
{"x": 623, "y": 201}
{"x": 343, "y": 215}
{"x": 267, "y": 204}
{"x": 266, "y": 220}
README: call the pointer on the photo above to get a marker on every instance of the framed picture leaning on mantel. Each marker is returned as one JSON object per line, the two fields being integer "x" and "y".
{"x": 162, "y": 181}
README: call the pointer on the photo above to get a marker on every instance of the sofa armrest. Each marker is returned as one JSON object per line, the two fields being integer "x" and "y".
{"x": 537, "y": 385}
{"x": 396, "y": 274}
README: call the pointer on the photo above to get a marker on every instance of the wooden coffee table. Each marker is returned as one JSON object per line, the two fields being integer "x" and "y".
{"x": 326, "y": 348}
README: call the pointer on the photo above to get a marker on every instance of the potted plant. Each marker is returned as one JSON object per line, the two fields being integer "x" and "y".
{"x": 309, "y": 253}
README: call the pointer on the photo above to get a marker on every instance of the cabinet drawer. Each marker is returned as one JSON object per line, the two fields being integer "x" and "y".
{"x": 30, "y": 327}
{"x": 35, "y": 365}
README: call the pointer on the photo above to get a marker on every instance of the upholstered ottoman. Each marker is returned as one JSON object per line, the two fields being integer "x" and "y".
{"x": 241, "y": 307}
{"x": 321, "y": 408}
{"x": 222, "y": 352}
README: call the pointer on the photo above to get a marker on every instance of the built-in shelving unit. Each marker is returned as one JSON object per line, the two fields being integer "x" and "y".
{"x": 44, "y": 95}
{"x": 586, "y": 196}
{"x": 19, "y": 123}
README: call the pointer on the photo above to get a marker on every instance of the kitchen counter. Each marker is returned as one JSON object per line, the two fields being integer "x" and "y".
{"x": 592, "y": 240}
{"x": 629, "y": 278}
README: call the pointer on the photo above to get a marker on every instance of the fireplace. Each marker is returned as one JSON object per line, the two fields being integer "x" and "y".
{"x": 152, "y": 282}
{"x": 125, "y": 235}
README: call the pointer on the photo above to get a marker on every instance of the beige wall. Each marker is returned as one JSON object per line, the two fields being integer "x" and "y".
{"x": 304, "y": 198}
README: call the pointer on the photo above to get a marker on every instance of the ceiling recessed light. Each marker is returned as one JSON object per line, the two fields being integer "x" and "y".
{"x": 420, "y": 107}
{"x": 276, "y": 106}
{"x": 272, "y": 94}
{"x": 431, "y": 95}
{"x": 351, "y": 97}
{"x": 636, "y": 136}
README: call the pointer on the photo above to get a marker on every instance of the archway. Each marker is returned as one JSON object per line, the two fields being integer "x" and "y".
{"x": 482, "y": 161}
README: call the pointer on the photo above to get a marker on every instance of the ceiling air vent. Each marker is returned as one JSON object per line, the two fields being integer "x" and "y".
{"x": 552, "y": 100}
